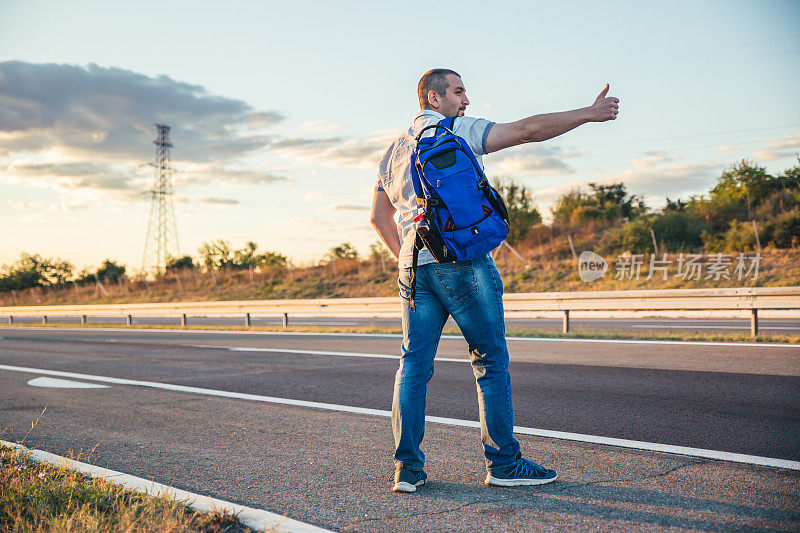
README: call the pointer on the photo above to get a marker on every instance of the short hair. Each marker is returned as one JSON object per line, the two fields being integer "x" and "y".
{"x": 433, "y": 80}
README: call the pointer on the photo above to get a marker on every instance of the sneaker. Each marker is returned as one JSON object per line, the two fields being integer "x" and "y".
{"x": 523, "y": 472}
{"x": 407, "y": 480}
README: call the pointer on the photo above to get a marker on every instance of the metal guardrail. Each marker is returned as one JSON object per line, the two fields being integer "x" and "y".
{"x": 521, "y": 305}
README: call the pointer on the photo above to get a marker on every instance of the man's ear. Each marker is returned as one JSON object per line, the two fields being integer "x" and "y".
{"x": 433, "y": 99}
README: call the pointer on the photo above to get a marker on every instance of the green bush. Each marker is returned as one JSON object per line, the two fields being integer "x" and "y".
{"x": 675, "y": 230}
{"x": 746, "y": 191}
{"x": 783, "y": 231}
{"x": 585, "y": 213}
{"x": 522, "y": 213}
{"x": 740, "y": 237}
{"x": 603, "y": 202}
{"x": 777, "y": 202}
{"x": 678, "y": 231}
{"x": 632, "y": 237}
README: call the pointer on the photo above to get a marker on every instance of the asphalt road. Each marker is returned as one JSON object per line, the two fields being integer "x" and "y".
{"x": 630, "y": 325}
{"x": 332, "y": 468}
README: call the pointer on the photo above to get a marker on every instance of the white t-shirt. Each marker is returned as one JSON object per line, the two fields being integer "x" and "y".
{"x": 394, "y": 174}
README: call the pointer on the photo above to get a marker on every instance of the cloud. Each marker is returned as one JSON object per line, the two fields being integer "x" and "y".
{"x": 213, "y": 175}
{"x": 263, "y": 119}
{"x": 219, "y": 201}
{"x": 671, "y": 180}
{"x": 309, "y": 146}
{"x": 657, "y": 175}
{"x": 80, "y": 174}
{"x": 108, "y": 113}
{"x": 779, "y": 148}
{"x": 531, "y": 160}
{"x": 651, "y": 158}
{"x": 319, "y": 126}
{"x": 790, "y": 141}
{"x": 344, "y": 207}
{"x": 92, "y": 128}
{"x": 312, "y": 196}
{"x": 548, "y": 195}
{"x": 338, "y": 151}
{"x": 726, "y": 148}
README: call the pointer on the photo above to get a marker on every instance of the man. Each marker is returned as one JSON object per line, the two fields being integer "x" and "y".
{"x": 469, "y": 291}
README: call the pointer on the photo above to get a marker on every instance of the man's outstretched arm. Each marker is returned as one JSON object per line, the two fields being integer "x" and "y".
{"x": 542, "y": 127}
{"x": 382, "y": 219}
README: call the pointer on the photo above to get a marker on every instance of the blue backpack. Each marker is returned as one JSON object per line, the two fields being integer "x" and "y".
{"x": 459, "y": 215}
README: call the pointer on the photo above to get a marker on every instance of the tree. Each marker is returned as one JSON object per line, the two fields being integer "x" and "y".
{"x": 377, "y": 250}
{"x": 747, "y": 191}
{"x": 568, "y": 203}
{"x": 522, "y": 213}
{"x": 110, "y": 271}
{"x": 219, "y": 255}
{"x": 57, "y": 272}
{"x": 247, "y": 257}
{"x": 23, "y": 274}
{"x": 273, "y": 259}
{"x": 181, "y": 263}
{"x": 675, "y": 206}
{"x": 216, "y": 255}
{"x": 341, "y": 251}
{"x": 610, "y": 203}
{"x": 747, "y": 182}
{"x": 615, "y": 203}
{"x": 33, "y": 270}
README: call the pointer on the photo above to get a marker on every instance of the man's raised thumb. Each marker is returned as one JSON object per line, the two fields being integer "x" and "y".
{"x": 604, "y": 92}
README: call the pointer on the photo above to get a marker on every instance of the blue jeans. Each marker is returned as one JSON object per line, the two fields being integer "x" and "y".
{"x": 472, "y": 292}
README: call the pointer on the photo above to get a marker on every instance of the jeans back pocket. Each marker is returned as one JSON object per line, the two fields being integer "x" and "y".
{"x": 457, "y": 280}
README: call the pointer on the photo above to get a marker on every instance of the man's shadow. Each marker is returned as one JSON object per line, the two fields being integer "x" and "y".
{"x": 550, "y": 498}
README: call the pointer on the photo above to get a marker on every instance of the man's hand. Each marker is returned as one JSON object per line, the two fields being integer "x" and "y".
{"x": 382, "y": 219}
{"x": 604, "y": 107}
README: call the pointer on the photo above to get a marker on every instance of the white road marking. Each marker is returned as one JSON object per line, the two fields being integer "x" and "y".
{"x": 64, "y": 384}
{"x": 692, "y": 326}
{"x": 318, "y": 352}
{"x": 398, "y": 336}
{"x": 257, "y": 519}
{"x": 625, "y": 443}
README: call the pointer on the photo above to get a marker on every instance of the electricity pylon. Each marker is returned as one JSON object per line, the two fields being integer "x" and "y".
{"x": 161, "y": 243}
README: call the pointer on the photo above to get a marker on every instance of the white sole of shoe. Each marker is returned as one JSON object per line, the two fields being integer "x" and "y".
{"x": 407, "y": 487}
{"x": 499, "y": 482}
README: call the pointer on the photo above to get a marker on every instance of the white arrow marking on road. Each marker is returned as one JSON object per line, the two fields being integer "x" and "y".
{"x": 64, "y": 384}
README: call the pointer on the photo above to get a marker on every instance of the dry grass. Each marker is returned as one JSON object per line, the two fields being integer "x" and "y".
{"x": 41, "y": 497}
{"x": 551, "y": 269}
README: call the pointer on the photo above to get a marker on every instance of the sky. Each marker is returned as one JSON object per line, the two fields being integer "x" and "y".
{"x": 279, "y": 111}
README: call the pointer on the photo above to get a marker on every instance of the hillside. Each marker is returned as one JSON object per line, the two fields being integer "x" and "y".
{"x": 777, "y": 268}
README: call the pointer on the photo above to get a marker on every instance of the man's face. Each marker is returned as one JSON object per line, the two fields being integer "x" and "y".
{"x": 454, "y": 101}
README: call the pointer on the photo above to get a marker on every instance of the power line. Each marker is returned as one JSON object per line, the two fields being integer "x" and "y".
{"x": 686, "y": 149}
{"x": 621, "y": 66}
{"x": 694, "y": 136}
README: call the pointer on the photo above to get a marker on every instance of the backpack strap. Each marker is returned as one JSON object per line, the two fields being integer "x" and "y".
{"x": 414, "y": 261}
